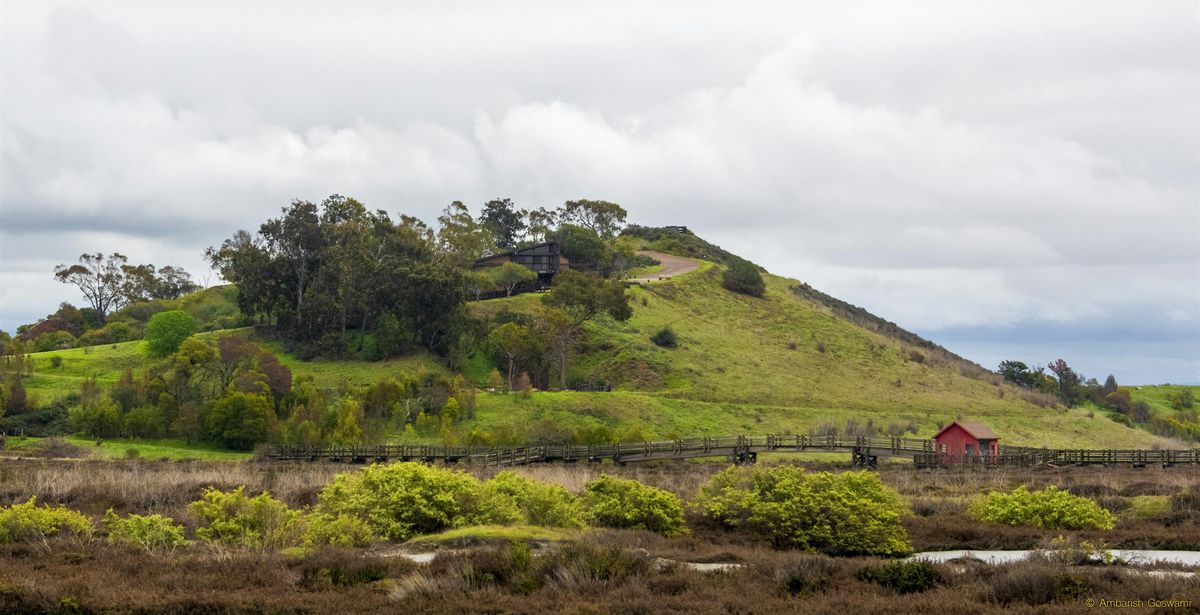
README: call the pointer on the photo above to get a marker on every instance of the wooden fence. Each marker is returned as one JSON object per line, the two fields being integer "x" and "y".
{"x": 742, "y": 449}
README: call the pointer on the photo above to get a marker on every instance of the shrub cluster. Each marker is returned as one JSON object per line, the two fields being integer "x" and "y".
{"x": 850, "y": 513}
{"x": 540, "y": 503}
{"x": 743, "y": 276}
{"x": 167, "y": 330}
{"x": 623, "y": 503}
{"x": 1048, "y": 508}
{"x": 232, "y": 518}
{"x": 151, "y": 533}
{"x": 235, "y": 519}
{"x": 665, "y": 337}
{"x": 401, "y": 500}
{"x": 28, "y": 522}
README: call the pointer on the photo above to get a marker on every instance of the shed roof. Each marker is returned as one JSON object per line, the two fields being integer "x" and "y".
{"x": 978, "y": 430}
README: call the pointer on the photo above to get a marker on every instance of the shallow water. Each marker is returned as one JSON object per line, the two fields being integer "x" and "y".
{"x": 1133, "y": 556}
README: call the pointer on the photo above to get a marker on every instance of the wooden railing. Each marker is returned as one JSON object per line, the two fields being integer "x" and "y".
{"x": 739, "y": 448}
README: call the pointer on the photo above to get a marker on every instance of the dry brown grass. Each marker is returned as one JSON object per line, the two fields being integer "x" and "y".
{"x": 606, "y": 574}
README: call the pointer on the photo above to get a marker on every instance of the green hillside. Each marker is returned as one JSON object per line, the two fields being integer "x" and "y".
{"x": 779, "y": 364}
{"x": 783, "y": 363}
{"x": 107, "y": 363}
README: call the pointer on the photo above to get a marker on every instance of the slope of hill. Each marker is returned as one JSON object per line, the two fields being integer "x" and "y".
{"x": 106, "y": 363}
{"x": 780, "y": 364}
{"x": 788, "y": 362}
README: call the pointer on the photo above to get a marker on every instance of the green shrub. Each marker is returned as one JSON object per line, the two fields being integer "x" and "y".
{"x": 1048, "y": 508}
{"x": 541, "y": 503}
{"x": 167, "y": 330}
{"x": 903, "y": 577}
{"x": 622, "y": 503}
{"x": 338, "y": 530}
{"x": 849, "y": 513}
{"x": 152, "y": 533}
{"x": 53, "y": 340}
{"x": 233, "y": 519}
{"x": 743, "y": 276}
{"x": 29, "y": 522}
{"x": 401, "y": 500}
{"x": 56, "y": 361}
{"x": 665, "y": 337}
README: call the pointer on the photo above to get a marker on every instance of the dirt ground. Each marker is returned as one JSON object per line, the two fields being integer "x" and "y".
{"x": 671, "y": 266}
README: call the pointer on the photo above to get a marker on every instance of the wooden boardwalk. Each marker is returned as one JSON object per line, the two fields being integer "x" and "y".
{"x": 738, "y": 448}
{"x": 864, "y": 452}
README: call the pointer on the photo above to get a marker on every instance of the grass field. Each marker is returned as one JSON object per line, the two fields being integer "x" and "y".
{"x": 173, "y": 450}
{"x": 107, "y": 363}
{"x": 1160, "y": 397}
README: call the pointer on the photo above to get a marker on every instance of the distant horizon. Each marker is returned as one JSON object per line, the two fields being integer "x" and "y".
{"x": 1008, "y": 181}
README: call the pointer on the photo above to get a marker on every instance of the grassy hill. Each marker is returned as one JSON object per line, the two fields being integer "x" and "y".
{"x": 789, "y": 362}
{"x": 782, "y": 364}
{"x": 107, "y": 363}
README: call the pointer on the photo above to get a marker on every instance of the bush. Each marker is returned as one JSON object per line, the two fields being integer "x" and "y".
{"x": 665, "y": 337}
{"x": 903, "y": 577}
{"x": 56, "y": 361}
{"x": 233, "y": 519}
{"x": 849, "y": 513}
{"x": 152, "y": 533}
{"x": 167, "y": 330}
{"x": 743, "y": 276}
{"x": 336, "y": 530}
{"x": 541, "y": 503}
{"x": 622, "y": 503}
{"x": 401, "y": 500}
{"x": 1048, "y": 508}
{"x": 54, "y": 340}
{"x": 29, "y": 522}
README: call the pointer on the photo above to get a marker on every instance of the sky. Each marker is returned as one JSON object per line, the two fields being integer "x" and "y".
{"x": 1013, "y": 180}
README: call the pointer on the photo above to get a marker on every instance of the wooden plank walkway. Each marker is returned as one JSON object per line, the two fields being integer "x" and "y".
{"x": 741, "y": 449}
{"x": 738, "y": 448}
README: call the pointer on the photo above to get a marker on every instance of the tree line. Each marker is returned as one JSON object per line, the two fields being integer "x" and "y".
{"x": 1074, "y": 389}
{"x": 337, "y": 279}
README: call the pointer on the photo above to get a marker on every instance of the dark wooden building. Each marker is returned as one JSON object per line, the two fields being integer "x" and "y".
{"x": 545, "y": 259}
{"x": 967, "y": 439}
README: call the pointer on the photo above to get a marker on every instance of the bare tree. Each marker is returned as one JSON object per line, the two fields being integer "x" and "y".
{"x": 100, "y": 278}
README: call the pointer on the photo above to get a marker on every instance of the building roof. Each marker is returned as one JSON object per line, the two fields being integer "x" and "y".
{"x": 977, "y": 430}
{"x": 512, "y": 252}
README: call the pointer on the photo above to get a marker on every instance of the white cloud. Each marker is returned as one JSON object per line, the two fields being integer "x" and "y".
{"x": 1004, "y": 165}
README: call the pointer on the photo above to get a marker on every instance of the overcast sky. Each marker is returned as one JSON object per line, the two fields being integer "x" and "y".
{"x": 1010, "y": 179}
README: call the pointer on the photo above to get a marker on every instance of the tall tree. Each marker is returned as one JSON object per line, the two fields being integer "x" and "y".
{"x": 245, "y": 260}
{"x": 504, "y": 220}
{"x": 515, "y": 343}
{"x": 582, "y": 297}
{"x": 297, "y": 238}
{"x": 582, "y": 246}
{"x": 605, "y": 218}
{"x": 510, "y": 275}
{"x": 174, "y": 282}
{"x": 1068, "y": 381}
{"x": 461, "y": 239}
{"x": 1017, "y": 373}
{"x": 540, "y": 223}
{"x": 99, "y": 278}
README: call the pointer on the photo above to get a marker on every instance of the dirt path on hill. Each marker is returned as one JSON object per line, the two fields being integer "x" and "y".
{"x": 671, "y": 266}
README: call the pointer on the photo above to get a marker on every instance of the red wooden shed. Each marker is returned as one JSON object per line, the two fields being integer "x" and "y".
{"x": 967, "y": 439}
